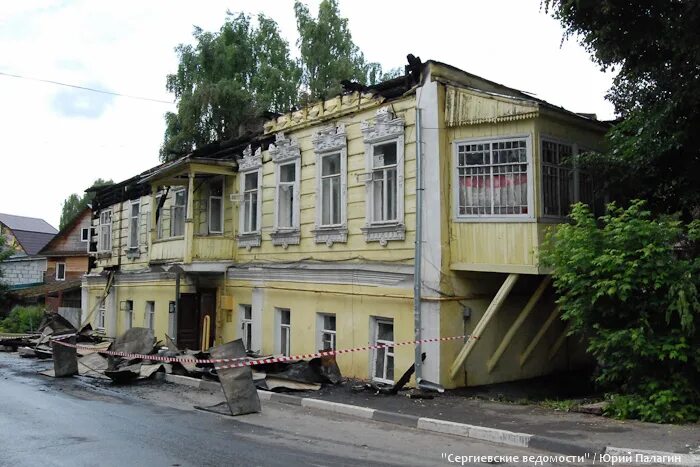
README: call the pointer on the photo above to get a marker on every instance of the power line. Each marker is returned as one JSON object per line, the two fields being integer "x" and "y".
{"x": 84, "y": 88}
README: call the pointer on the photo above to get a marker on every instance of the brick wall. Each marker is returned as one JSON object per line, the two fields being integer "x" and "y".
{"x": 19, "y": 271}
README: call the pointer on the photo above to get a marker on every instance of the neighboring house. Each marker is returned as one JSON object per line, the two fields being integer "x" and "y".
{"x": 67, "y": 260}
{"x": 302, "y": 236}
{"x": 26, "y": 236}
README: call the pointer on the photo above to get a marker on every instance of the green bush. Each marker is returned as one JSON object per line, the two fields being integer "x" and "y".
{"x": 22, "y": 319}
{"x": 628, "y": 283}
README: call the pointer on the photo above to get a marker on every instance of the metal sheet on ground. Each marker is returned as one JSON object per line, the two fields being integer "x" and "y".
{"x": 237, "y": 383}
{"x": 65, "y": 359}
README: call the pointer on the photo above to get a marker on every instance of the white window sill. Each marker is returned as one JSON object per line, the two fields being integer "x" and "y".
{"x": 383, "y": 233}
{"x": 331, "y": 234}
{"x": 285, "y": 237}
{"x": 249, "y": 240}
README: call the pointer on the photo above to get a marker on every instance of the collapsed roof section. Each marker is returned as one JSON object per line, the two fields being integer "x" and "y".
{"x": 508, "y": 104}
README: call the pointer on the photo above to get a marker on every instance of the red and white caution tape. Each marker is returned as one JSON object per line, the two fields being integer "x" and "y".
{"x": 242, "y": 362}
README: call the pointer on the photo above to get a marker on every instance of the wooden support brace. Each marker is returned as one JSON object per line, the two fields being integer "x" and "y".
{"x": 529, "y": 306}
{"x": 494, "y": 306}
{"x": 538, "y": 336}
{"x": 558, "y": 343}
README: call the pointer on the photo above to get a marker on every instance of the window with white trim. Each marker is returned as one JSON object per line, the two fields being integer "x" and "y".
{"x": 177, "y": 214}
{"x": 250, "y": 208}
{"x": 384, "y": 177}
{"x": 60, "y": 271}
{"x": 149, "y": 316}
{"x": 330, "y": 147}
{"x": 384, "y": 192}
{"x": 101, "y": 312}
{"x": 246, "y": 313}
{"x": 129, "y": 314}
{"x": 85, "y": 234}
{"x": 493, "y": 178}
{"x": 134, "y": 221}
{"x": 383, "y": 357}
{"x": 287, "y": 216}
{"x": 331, "y": 193}
{"x": 327, "y": 331}
{"x": 216, "y": 207}
{"x": 104, "y": 240}
{"x": 284, "y": 332}
{"x": 558, "y": 178}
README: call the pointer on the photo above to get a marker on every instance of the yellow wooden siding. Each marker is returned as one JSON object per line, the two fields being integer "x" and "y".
{"x": 356, "y": 246}
{"x": 486, "y": 244}
{"x": 467, "y": 107}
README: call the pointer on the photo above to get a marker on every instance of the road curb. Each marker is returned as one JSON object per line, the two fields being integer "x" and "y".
{"x": 482, "y": 433}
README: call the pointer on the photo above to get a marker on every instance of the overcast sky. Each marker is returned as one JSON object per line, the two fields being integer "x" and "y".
{"x": 58, "y": 140}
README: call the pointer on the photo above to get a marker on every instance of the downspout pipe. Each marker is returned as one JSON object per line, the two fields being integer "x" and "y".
{"x": 418, "y": 257}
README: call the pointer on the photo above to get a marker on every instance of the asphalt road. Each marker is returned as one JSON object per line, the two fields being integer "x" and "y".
{"x": 78, "y": 422}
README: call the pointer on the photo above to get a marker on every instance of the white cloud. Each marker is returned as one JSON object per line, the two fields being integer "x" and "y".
{"x": 128, "y": 47}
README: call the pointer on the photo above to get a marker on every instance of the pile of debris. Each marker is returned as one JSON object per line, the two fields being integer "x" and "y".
{"x": 38, "y": 344}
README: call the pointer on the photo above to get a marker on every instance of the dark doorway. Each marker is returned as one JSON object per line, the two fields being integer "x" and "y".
{"x": 207, "y": 308}
{"x": 192, "y": 316}
{"x": 188, "y": 322}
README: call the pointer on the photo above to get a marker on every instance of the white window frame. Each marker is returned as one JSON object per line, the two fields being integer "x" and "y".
{"x": 386, "y": 128}
{"x": 279, "y": 184}
{"x": 149, "y": 315}
{"x": 100, "y": 319}
{"x": 58, "y": 277}
{"x": 105, "y": 229}
{"x": 281, "y": 330}
{"x": 343, "y": 175}
{"x": 322, "y": 331}
{"x": 243, "y": 212}
{"x": 85, "y": 234}
{"x": 529, "y": 217}
{"x": 134, "y": 224}
{"x": 246, "y": 325}
{"x": 209, "y": 209}
{"x": 330, "y": 141}
{"x": 376, "y": 321}
{"x": 174, "y": 207}
{"x": 129, "y": 315}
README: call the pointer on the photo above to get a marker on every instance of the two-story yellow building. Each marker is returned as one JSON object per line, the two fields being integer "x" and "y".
{"x": 302, "y": 236}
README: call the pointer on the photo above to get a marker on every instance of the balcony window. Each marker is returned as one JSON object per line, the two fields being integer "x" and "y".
{"x": 177, "y": 214}
{"x": 216, "y": 207}
{"x": 493, "y": 178}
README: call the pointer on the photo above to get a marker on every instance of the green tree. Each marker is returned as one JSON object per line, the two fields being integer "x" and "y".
{"x": 654, "y": 150}
{"x": 629, "y": 285}
{"x": 226, "y": 78}
{"x": 76, "y": 203}
{"x": 22, "y": 319}
{"x": 328, "y": 53}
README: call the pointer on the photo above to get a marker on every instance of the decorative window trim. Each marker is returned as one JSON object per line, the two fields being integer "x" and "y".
{"x": 251, "y": 163}
{"x": 329, "y": 141}
{"x": 286, "y": 151}
{"x": 529, "y": 217}
{"x": 58, "y": 276}
{"x": 85, "y": 234}
{"x": 386, "y": 128}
